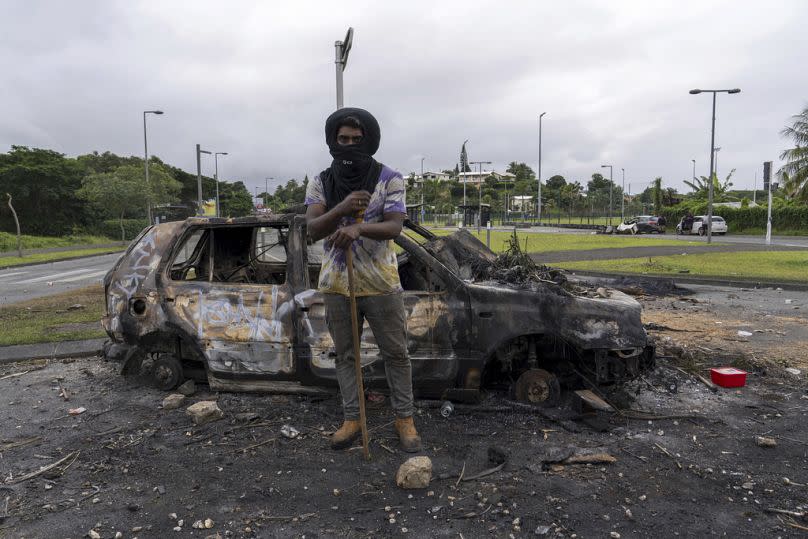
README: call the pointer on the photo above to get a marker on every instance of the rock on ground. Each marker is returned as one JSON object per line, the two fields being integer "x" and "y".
{"x": 204, "y": 412}
{"x": 173, "y": 401}
{"x": 416, "y": 472}
{"x": 188, "y": 388}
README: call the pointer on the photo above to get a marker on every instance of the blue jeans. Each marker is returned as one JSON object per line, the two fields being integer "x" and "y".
{"x": 387, "y": 319}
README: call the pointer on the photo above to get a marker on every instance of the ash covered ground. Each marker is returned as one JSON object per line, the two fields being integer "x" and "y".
{"x": 696, "y": 470}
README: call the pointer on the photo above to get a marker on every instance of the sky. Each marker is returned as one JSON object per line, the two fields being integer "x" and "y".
{"x": 257, "y": 80}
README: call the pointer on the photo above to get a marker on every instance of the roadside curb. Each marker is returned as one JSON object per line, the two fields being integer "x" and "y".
{"x": 50, "y": 350}
{"x": 678, "y": 278}
{"x": 26, "y": 264}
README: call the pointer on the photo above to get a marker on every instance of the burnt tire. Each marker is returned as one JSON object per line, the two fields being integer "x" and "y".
{"x": 538, "y": 386}
{"x": 166, "y": 373}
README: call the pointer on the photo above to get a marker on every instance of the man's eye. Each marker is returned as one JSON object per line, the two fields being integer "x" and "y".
{"x": 343, "y": 139}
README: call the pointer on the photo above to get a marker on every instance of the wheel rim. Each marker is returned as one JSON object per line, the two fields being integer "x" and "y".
{"x": 537, "y": 386}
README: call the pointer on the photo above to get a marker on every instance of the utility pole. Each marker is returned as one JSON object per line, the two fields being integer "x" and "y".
{"x": 767, "y": 179}
{"x": 146, "y": 162}
{"x": 216, "y": 177}
{"x": 694, "y": 168}
{"x": 538, "y": 202}
{"x": 712, "y": 160}
{"x": 423, "y": 186}
{"x": 341, "y": 50}
{"x": 623, "y": 198}
{"x": 480, "y": 191}
{"x": 463, "y": 171}
{"x": 199, "y": 153}
{"x": 611, "y": 185}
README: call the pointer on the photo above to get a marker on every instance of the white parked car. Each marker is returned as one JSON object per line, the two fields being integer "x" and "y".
{"x": 700, "y": 226}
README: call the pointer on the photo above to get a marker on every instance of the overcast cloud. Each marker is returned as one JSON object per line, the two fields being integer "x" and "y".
{"x": 256, "y": 79}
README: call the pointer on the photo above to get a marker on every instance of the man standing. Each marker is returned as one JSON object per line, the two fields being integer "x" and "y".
{"x": 357, "y": 185}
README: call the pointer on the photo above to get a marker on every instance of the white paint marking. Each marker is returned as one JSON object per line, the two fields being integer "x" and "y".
{"x": 4, "y": 275}
{"x": 81, "y": 277}
{"x": 52, "y": 277}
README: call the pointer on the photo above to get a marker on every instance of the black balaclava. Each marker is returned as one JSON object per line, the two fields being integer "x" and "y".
{"x": 353, "y": 167}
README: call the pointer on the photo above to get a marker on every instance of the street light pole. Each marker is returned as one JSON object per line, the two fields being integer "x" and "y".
{"x": 216, "y": 177}
{"x": 611, "y": 184}
{"x": 146, "y": 162}
{"x": 538, "y": 202}
{"x": 694, "y": 168}
{"x": 623, "y": 198}
{"x": 480, "y": 191}
{"x": 712, "y": 161}
{"x": 199, "y": 153}
{"x": 423, "y": 186}
{"x": 341, "y": 50}
{"x": 463, "y": 167}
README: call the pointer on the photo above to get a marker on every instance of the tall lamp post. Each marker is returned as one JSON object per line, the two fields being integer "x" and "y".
{"x": 694, "y": 168}
{"x": 199, "y": 153}
{"x": 712, "y": 155}
{"x": 266, "y": 190}
{"x": 716, "y": 150}
{"x": 146, "y": 161}
{"x": 480, "y": 191}
{"x": 623, "y": 198}
{"x": 423, "y": 186}
{"x": 611, "y": 184}
{"x": 341, "y": 50}
{"x": 463, "y": 171}
{"x": 538, "y": 202}
{"x": 216, "y": 177}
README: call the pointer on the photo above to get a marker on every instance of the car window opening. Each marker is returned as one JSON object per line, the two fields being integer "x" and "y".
{"x": 249, "y": 255}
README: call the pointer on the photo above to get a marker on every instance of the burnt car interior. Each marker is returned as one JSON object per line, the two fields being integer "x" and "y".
{"x": 258, "y": 255}
{"x": 247, "y": 254}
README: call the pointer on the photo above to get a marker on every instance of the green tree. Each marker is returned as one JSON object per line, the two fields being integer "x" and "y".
{"x": 43, "y": 184}
{"x": 701, "y": 187}
{"x": 521, "y": 170}
{"x": 794, "y": 173}
{"x": 235, "y": 200}
{"x": 124, "y": 191}
{"x": 657, "y": 196}
{"x": 556, "y": 182}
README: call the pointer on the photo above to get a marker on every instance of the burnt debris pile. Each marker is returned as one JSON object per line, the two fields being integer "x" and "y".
{"x": 515, "y": 267}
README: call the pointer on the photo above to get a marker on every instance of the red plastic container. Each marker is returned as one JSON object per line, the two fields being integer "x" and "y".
{"x": 728, "y": 377}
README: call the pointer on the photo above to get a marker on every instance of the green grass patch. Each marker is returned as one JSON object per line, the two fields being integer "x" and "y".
{"x": 9, "y": 261}
{"x": 764, "y": 265}
{"x": 538, "y": 242}
{"x": 50, "y": 319}
{"x": 8, "y": 242}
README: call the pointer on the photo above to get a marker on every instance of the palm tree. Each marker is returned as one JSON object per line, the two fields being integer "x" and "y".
{"x": 794, "y": 174}
{"x": 701, "y": 186}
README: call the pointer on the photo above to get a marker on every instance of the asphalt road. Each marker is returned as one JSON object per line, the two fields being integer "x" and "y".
{"x": 22, "y": 283}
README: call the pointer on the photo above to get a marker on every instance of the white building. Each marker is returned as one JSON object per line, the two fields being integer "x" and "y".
{"x": 521, "y": 203}
{"x": 432, "y": 176}
{"x": 477, "y": 177}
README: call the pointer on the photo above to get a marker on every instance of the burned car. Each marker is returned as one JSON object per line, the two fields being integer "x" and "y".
{"x": 234, "y": 302}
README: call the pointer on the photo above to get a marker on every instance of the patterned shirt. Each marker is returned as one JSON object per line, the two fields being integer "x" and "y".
{"x": 375, "y": 262}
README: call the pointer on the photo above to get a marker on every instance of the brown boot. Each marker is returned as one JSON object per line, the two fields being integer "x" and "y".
{"x": 407, "y": 435}
{"x": 346, "y": 435}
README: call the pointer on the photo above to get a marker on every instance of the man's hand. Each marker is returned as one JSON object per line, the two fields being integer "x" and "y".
{"x": 345, "y": 236}
{"x": 354, "y": 204}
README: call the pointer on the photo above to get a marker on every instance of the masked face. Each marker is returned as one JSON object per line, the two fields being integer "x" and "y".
{"x": 347, "y": 136}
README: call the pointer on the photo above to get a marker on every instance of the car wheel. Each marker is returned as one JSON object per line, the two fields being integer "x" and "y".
{"x": 166, "y": 372}
{"x": 702, "y": 231}
{"x": 538, "y": 386}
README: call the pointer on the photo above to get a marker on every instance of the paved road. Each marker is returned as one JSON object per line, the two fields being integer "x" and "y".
{"x": 19, "y": 284}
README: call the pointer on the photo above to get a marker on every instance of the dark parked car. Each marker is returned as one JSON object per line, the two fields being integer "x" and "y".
{"x": 234, "y": 302}
{"x": 641, "y": 224}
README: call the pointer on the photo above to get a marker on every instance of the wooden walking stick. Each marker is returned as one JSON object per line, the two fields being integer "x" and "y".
{"x": 360, "y": 386}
